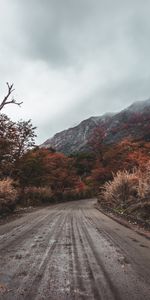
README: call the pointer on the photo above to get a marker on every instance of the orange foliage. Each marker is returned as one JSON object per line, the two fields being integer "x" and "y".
{"x": 41, "y": 167}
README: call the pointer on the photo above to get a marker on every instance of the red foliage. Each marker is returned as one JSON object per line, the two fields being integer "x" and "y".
{"x": 96, "y": 141}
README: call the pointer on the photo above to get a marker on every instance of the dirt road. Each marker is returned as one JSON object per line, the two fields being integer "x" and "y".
{"x": 72, "y": 251}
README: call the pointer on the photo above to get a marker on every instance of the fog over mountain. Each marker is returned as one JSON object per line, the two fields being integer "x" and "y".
{"x": 130, "y": 123}
{"x": 70, "y": 60}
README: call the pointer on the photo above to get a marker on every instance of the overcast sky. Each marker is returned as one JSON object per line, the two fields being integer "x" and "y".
{"x": 72, "y": 59}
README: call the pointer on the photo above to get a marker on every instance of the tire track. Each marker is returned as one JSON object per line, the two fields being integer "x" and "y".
{"x": 34, "y": 263}
{"x": 71, "y": 264}
{"x": 22, "y": 230}
{"x": 129, "y": 280}
{"x": 47, "y": 257}
{"x": 102, "y": 288}
{"x": 94, "y": 288}
{"x": 78, "y": 280}
{"x": 120, "y": 244}
{"x": 76, "y": 288}
{"x": 57, "y": 279}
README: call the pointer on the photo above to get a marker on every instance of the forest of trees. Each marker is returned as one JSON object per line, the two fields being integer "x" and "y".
{"x": 30, "y": 175}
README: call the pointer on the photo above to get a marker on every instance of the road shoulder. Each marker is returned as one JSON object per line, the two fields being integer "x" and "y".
{"x": 127, "y": 223}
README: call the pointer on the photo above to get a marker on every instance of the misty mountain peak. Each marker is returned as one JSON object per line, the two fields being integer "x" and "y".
{"x": 139, "y": 106}
{"x": 117, "y": 126}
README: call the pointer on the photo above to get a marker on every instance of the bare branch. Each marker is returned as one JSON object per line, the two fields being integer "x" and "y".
{"x": 6, "y": 100}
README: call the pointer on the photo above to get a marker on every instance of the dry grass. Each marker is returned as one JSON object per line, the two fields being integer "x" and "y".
{"x": 128, "y": 192}
{"x": 8, "y": 195}
{"x": 121, "y": 190}
{"x": 144, "y": 182}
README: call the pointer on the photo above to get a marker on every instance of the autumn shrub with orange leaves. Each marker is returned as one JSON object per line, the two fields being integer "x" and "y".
{"x": 8, "y": 195}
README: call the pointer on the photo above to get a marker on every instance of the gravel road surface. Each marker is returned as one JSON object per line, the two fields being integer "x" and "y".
{"x": 72, "y": 251}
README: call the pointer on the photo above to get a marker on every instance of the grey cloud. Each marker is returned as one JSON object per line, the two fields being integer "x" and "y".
{"x": 111, "y": 99}
{"x": 81, "y": 57}
{"x": 52, "y": 27}
{"x": 68, "y": 32}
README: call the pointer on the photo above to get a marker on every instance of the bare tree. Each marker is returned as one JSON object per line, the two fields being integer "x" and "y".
{"x": 7, "y": 99}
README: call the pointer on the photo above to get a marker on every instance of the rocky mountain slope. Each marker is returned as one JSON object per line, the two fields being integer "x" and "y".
{"x": 132, "y": 122}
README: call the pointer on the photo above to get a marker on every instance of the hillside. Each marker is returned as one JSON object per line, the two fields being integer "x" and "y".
{"x": 132, "y": 122}
{"x": 75, "y": 139}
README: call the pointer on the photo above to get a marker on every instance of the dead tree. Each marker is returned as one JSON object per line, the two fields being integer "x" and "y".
{"x": 7, "y": 100}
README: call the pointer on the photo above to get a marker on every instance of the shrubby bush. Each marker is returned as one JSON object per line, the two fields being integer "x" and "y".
{"x": 8, "y": 195}
{"x": 144, "y": 182}
{"x": 128, "y": 193}
{"x": 76, "y": 194}
{"x": 121, "y": 190}
{"x": 37, "y": 195}
{"x": 33, "y": 196}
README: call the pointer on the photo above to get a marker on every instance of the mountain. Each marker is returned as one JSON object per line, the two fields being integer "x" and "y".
{"x": 132, "y": 122}
{"x": 75, "y": 139}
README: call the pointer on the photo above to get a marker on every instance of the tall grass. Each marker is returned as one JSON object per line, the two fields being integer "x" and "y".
{"x": 121, "y": 190}
{"x": 128, "y": 192}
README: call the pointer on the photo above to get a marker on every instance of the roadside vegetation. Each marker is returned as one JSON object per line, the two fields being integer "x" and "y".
{"x": 8, "y": 195}
{"x": 29, "y": 175}
{"x": 128, "y": 194}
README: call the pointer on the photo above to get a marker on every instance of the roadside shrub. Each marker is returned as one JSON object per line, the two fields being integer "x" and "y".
{"x": 128, "y": 194}
{"x": 8, "y": 195}
{"x": 77, "y": 194}
{"x": 121, "y": 191}
{"x": 69, "y": 194}
{"x": 144, "y": 182}
{"x": 37, "y": 195}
